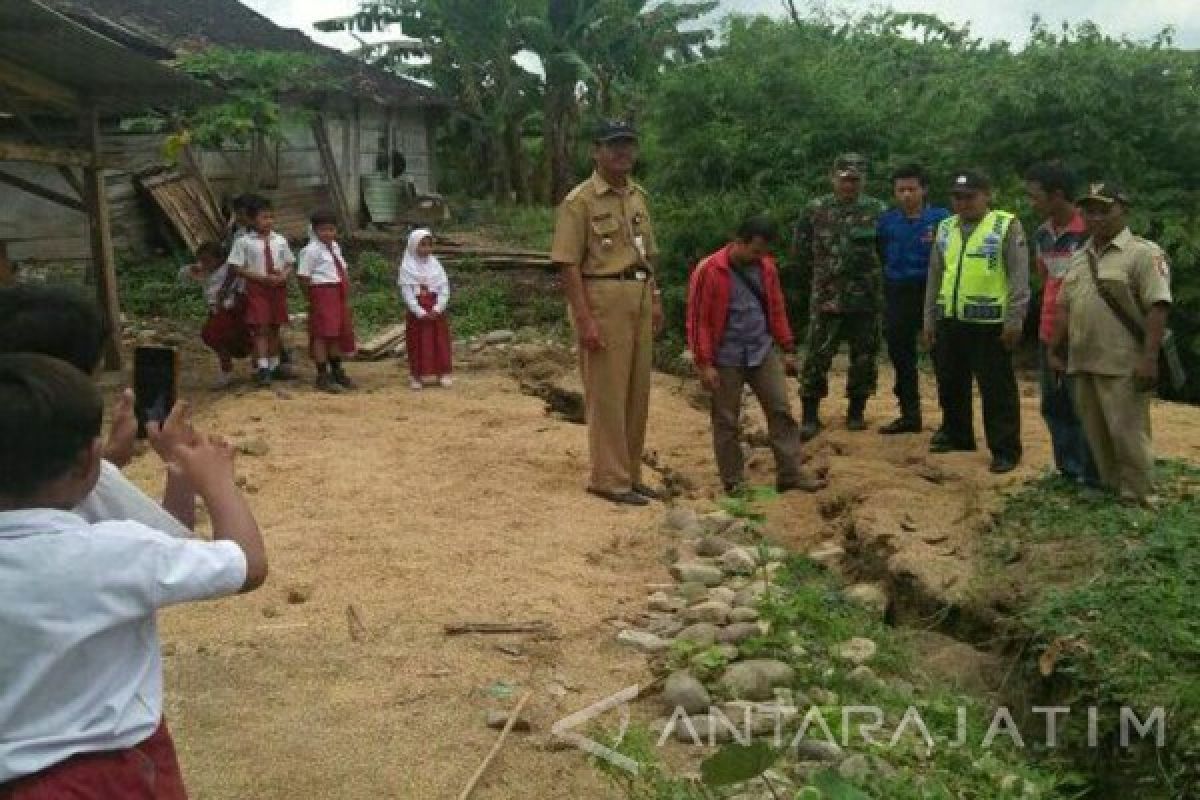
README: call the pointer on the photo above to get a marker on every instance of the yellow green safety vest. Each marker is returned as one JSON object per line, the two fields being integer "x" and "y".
{"x": 975, "y": 281}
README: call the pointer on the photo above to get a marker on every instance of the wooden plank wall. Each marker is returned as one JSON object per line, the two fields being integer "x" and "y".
{"x": 40, "y": 231}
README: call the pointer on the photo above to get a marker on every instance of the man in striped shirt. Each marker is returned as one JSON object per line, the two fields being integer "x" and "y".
{"x": 1051, "y": 189}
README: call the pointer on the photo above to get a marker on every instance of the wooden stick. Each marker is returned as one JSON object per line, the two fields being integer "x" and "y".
{"x": 358, "y": 631}
{"x": 536, "y": 626}
{"x": 508, "y": 726}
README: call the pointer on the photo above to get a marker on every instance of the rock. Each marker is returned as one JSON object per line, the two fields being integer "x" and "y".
{"x": 738, "y": 632}
{"x": 821, "y": 696}
{"x": 703, "y": 634}
{"x": 695, "y": 572}
{"x": 682, "y": 690}
{"x": 755, "y": 679}
{"x": 722, "y": 594}
{"x": 643, "y": 641}
{"x": 666, "y": 627}
{"x": 743, "y": 614}
{"x": 817, "y": 750}
{"x": 857, "y": 651}
{"x": 750, "y": 596}
{"x": 827, "y": 554}
{"x": 683, "y": 519}
{"x": 496, "y": 720}
{"x": 777, "y": 554}
{"x": 716, "y": 522}
{"x": 760, "y": 719}
{"x": 713, "y": 546}
{"x": 855, "y": 768}
{"x": 477, "y": 346}
{"x": 707, "y": 729}
{"x": 772, "y": 568}
{"x": 709, "y": 611}
{"x": 692, "y": 592}
{"x": 254, "y": 447}
{"x": 738, "y": 561}
{"x": 870, "y": 596}
{"x": 728, "y": 651}
{"x": 499, "y": 337}
{"x": 660, "y": 601}
{"x": 865, "y": 676}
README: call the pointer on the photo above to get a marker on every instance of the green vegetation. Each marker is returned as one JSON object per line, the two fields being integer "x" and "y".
{"x": 151, "y": 288}
{"x": 1111, "y": 611}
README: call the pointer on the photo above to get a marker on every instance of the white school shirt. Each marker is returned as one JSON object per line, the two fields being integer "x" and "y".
{"x": 316, "y": 263}
{"x": 116, "y": 498}
{"x": 440, "y": 288}
{"x": 80, "y": 660}
{"x": 249, "y": 251}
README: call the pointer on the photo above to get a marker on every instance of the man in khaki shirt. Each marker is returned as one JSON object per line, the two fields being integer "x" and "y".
{"x": 605, "y": 245}
{"x": 1114, "y": 372}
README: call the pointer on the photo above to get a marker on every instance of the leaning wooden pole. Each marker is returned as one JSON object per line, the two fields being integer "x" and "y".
{"x": 104, "y": 265}
{"x": 508, "y": 726}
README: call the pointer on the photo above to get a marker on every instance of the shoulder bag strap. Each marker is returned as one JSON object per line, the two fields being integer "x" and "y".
{"x": 1133, "y": 326}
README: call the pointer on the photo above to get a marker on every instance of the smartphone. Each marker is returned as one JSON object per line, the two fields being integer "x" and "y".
{"x": 155, "y": 384}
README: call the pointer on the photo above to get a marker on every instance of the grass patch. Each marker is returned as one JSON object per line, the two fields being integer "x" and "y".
{"x": 1111, "y": 610}
{"x": 525, "y": 227}
{"x": 150, "y": 287}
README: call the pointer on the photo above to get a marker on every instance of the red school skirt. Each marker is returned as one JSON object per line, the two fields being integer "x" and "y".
{"x": 147, "y": 771}
{"x": 226, "y": 331}
{"x": 265, "y": 305}
{"x": 329, "y": 316}
{"x": 427, "y": 341}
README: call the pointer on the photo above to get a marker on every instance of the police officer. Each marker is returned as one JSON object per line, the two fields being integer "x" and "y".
{"x": 835, "y": 241}
{"x": 605, "y": 245}
{"x": 1114, "y": 303}
{"x": 975, "y": 304}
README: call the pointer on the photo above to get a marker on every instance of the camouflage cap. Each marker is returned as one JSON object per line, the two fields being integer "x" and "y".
{"x": 848, "y": 164}
{"x": 1106, "y": 193}
{"x": 612, "y": 130}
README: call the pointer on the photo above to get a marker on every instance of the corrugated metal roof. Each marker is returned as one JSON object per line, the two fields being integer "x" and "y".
{"x": 50, "y": 46}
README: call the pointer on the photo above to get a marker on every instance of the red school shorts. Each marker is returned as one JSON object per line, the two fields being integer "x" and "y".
{"x": 265, "y": 305}
{"x": 147, "y": 771}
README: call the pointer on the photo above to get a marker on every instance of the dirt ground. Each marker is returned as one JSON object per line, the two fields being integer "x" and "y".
{"x": 421, "y": 509}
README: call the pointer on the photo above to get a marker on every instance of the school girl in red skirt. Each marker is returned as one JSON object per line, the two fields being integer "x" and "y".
{"x": 322, "y": 272}
{"x": 426, "y": 292}
{"x": 225, "y": 330}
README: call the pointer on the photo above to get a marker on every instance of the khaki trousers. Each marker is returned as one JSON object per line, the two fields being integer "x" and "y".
{"x": 769, "y": 385}
{"x": 1116, "y": 421}
{"x": 616, "y": 381}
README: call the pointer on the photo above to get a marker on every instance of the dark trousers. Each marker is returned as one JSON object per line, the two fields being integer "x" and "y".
{"x": 1072, "y": 455}
{"x": 967, "y": 351}
{"x": 903, "y": 319}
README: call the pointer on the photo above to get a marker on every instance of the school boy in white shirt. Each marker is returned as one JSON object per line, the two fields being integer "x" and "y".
{"x": 81, "y": 695}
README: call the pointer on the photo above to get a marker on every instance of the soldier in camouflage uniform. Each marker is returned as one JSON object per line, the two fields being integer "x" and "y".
{"x": 835, "y": 240}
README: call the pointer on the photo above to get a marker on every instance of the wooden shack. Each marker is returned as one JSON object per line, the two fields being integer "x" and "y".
{"x": 374, "y": 136}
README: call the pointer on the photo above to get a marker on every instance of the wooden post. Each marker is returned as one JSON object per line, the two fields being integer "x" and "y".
{"x": 332, "y": 178}
{"x": 104, "y": 265}
{"x": 7, "y": 276}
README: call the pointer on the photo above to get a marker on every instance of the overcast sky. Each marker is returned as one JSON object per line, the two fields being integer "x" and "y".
{"x": 988, "y": 18}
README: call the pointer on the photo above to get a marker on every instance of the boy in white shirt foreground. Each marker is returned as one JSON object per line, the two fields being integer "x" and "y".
{"x": 81, "y": 695}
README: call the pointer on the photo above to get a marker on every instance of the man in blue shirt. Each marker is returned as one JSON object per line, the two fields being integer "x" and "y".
{"x": 905, "y": 236}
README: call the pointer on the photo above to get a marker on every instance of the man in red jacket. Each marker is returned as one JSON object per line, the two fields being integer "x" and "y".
{"x": 735, "y": 319}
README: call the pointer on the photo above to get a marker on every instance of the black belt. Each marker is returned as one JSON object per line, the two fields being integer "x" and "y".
{"x": 630, "y": 274}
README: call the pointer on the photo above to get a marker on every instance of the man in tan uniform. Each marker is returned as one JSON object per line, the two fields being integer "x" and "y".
{"x": 604, "y": 243}
{"x": 1113, "y": 371}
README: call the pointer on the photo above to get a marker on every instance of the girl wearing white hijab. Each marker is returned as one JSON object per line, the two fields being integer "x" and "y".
{"x": 426, "y": 292}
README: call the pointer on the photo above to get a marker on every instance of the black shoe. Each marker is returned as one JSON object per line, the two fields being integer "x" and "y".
{"x": 342, "y": 379}
{"x": 854, "y": 415}
{"x": 901, "y": 425}
{"x": 647, "y": 492}
{"x": 263, "y": 377}
{"x": 810, "y": 421}
{"x": 805, "y": 483}
{"x": 942, "y": 443}
{"x": 629, "y": 498}
{"x": 1002, "y": 464}
{"x": 326, "y": 383}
